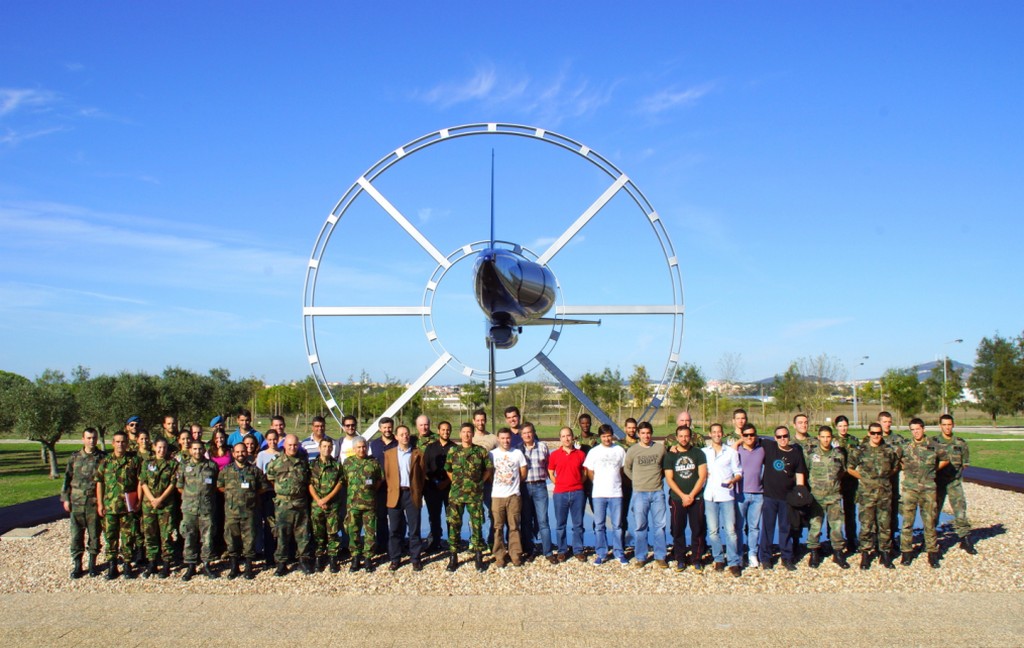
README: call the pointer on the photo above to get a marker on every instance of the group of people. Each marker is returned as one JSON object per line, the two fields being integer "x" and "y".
{"x": 173, "y": 497}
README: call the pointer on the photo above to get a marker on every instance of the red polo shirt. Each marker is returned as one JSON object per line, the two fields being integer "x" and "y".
{"x": 568, "y": 469}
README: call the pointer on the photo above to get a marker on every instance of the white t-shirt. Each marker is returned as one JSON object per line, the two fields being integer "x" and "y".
{"x": 506, "y": 472}
{"x": 607, "y": 466}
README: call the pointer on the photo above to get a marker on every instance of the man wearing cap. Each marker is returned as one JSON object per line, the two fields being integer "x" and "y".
{"x": 216, "y": 423}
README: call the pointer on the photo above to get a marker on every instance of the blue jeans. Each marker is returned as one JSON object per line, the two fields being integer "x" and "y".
{"x": 652, "y": 503}
{"x": 566, "y": 504}
{"x": 721, "y": 518}
{"x": 749, "y": 506}
{"x": 536, "y": 530}
{"x": 774, "y": 513}
{"x": 607, "y": 512}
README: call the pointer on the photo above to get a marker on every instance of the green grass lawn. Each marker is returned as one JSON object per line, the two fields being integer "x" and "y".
{"x": 24, "y": 477}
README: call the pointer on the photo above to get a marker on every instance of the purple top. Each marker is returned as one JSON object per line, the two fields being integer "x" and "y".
{"x": 221, "y": 461}
{"x": 751, "y": 461}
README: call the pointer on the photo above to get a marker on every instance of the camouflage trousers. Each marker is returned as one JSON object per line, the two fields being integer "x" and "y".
{"x": 158, "y": 531}
{"x": 119, "y": 533}
{"x": 476, "y": 524}
{"x": 326, "y": 525}
{"x": 85, "y": 519}
{"x": 830, "y": 506}
{"x": 357, "y": 520}
{"x": 197, "y": 529}
{"x": 957, "y": 501}
{"x": 911, "y": 501}
{"x": 873, "y": 508}
{"x": 240, "y": 535}
{"x": 138, "y": 541}
{"x": 292, "y": 525}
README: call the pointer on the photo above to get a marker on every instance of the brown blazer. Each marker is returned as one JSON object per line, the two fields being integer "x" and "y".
{"x": 417, "y": 476}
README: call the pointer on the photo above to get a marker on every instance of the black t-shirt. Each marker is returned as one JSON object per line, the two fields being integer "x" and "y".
{"x": 780, "y": 468}
{"x": 434, "y": 457}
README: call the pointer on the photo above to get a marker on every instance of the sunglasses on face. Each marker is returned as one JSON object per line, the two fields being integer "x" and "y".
{"x": 781, "y": 436}
{"x": 875, "y": 433}
{"x": 749, "y": 435}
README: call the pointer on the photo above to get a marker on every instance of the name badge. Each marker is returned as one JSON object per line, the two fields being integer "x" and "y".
{"x": 208, "y": 480}
{"x": 369, "y": 482}
{"x": 245, "y": 484}
{"x": 152, "y": 467}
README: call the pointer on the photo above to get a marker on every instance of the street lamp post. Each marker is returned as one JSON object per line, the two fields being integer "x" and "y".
{"x": 945, "y": 361}
{"x": 860, "y": 363}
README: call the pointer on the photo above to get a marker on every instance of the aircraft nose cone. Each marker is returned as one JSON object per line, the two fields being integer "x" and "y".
{"x": 530, "y": 284}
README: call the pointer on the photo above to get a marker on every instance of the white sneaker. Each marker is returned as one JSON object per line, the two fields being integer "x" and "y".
{"x": 752, "y": 562}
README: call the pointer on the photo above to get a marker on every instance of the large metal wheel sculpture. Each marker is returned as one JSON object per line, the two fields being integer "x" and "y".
{"x": 669, "y": 295}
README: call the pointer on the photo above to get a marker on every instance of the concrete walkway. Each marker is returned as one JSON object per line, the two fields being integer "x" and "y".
{"x": 583, "y": 619}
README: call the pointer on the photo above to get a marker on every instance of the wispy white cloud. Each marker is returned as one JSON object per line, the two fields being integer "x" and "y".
{"x": 15, "y": 99}
{"x": 548, "y": 100}
{"x": 806, "y": 327}
{"x": 672, "y": 97}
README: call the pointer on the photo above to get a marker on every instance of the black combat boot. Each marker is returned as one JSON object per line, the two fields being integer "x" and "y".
{"x": 321, "y": 563}
{"x": 839, "y": 558}
{"x": 112, "y": 569}
{"x": 865, "y": 560}
{"x": 478, "y": 560}
{"x": 368, "y": 565}
{"x": 357, "y": 564}
{"x": 965, "y": 544}
{"x": 93, "y": 572}
{"x": 150, "y": 569}
{"x": 248, "y": 574}
{"x": 234, "y": 573}
{"x": 815, "y": 560}
{"x": 908, "y": 557}
{"x": 305, "y": 566}
{"x": 933, "y": 559}
{"x": 126, "y": 568}
{"x": 335, "y": 564}
{"x": 190, "y": 571}
{"x": 453, "y": 562}
{"x": 209, "y": 573}
{"x": 76, "y": 569}
{"x": 886, "y": 559}
{"x": 281, "y": 570}
{"x": 165, "y": 569}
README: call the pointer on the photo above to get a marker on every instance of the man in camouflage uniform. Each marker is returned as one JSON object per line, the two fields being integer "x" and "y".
{"x": 363, "y": 476}
{"x": 826, "y": 465}
{"x": 289, "y": 473}
{"x": 197, "y": 483}
{"x": 895, "y": 441}
{"x": 325, "y": 482}
{"x": 873, "y": 464}
{"x": 950, "y": 481}
{"x": 79, "y": 497}
{"x": 117, "y": 488}
{"x": 921, "y": 460}
{"x": 159, "y": 477}
{"x": 241, "y": 483}
{"x": 468, "y": 466}
{"x": 847, "y": 484}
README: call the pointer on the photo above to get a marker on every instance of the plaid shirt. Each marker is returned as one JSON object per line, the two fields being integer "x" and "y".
{"x": 536, "y": 461}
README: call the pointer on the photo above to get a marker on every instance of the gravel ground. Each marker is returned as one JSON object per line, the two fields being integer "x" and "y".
{"x": 41, "y": 565}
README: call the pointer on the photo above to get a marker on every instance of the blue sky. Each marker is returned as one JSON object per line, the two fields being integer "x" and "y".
{"x": 841, "y": 178}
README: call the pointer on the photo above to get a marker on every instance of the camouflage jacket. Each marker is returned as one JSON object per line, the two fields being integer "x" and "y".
{"x": 197, "y": 481}
{"x": 467, "y": 467}
{"x": 119, "y": 475}
{"x": 242, "y": 487}
{"x": 290, "y": 476}
{"x": 825, "y": 468}
{"x": 876, "y": 465}
{"x": 920, "y": 463}
{"x": 805, "y": 444}
{"x": 959, "y": 457}
{"x": 895, "y": 440}
{"x": 847, "y": 442}
{"x": 586, "y": 443}
{"x": 363, "y": 477}
{"x": 423, "y": 442}
{"x": 79, "y": 488}
{"x": 157, "y": 475}
{"x": 325, "y": 475}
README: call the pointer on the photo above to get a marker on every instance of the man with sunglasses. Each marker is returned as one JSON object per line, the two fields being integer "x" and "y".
{"x": 873, "y": 464}
{"x": 784, "y": 469}
{"x": 750, "y": 494}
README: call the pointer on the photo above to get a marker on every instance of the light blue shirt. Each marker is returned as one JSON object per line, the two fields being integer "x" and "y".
{"x": 404, "y": 457}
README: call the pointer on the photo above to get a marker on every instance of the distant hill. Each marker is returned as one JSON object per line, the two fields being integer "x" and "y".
{"x": 923, "y": 371}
